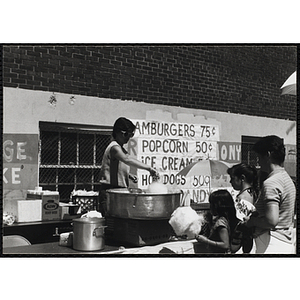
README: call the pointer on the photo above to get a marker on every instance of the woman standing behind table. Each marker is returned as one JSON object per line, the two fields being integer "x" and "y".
{"x": 116, "y": 161}
{"x": 275, "y": 205}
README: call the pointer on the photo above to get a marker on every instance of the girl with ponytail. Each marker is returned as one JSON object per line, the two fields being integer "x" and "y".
{"x": 244, "y": 178}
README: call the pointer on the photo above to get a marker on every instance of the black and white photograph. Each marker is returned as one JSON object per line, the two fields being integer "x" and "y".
{"x": 149, "y": 149}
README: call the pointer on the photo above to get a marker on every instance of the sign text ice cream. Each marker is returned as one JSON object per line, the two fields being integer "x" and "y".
{"x": 170, "y": 147}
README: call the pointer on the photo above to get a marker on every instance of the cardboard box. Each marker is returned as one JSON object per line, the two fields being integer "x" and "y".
{"x": 50, "y": 207}
{"x": 24, "y": 210}
{"x": 29, "y": 210}
{"x": 31, "y": 196}
{"x": 68, "y": 210}
{"x": 50, "y": 203}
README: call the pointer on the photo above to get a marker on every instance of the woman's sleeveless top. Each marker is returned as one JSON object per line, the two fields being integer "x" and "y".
{"x": 113, "y": 171}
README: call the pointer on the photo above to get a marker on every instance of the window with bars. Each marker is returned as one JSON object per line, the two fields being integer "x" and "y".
{"x": 70, "y": 157}
{"x": 248, "y": 155}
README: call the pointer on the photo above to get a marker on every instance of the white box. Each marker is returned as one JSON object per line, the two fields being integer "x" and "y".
{"x": 29, "y": 210}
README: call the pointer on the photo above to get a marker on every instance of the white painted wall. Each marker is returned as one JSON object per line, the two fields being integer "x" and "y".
{"x": 23, "y": 109}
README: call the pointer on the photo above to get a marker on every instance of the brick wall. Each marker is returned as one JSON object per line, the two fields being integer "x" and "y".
{"x": 241, "y": 79}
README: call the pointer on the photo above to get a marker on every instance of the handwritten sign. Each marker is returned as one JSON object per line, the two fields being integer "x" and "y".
{"x": 230, "y": 151}
{"x": 170, "y": 147}
{"x": 20, "y": 161}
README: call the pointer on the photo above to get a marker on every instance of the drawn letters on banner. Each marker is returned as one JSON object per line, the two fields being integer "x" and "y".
{"x": 170, "y": 147}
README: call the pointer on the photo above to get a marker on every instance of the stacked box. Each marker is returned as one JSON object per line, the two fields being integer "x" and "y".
{"x": 50, "y": 207}
{"x": 50, "y": 204}
{"x": 23, "y": 210}
{"x": 29, "y": 210}
{"x": 86, "y": 203}
{"x": 68, "y": 210}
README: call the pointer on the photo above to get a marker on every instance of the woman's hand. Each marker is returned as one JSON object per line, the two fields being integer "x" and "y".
{"x": 154, "y": 173}
{"x": 133, "y": 178}
{"x": 246, "y": 222}
{"x": 201, "y": 238}
{"x": 245, "y": 219}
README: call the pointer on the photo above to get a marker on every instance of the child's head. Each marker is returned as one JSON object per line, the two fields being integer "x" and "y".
{"x": 222, "y": 205}
{"x": 221, "y": 202}
{"x": 243, "y": 173}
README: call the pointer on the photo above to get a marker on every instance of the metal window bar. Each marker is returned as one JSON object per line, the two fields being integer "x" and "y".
{"x": 248, "y": 155}
{"x": 71, "y": 159}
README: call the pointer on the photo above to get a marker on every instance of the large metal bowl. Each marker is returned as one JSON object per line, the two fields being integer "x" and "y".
{"x": 141, "y": 205}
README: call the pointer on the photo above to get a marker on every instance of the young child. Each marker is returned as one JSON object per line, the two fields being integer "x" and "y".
{"x": 244, "y": 179}
{"x": 224, "y": 220}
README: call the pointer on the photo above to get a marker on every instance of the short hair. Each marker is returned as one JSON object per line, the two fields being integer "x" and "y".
{"x": 123, "y": 124}
{"x": 272, "y": 144}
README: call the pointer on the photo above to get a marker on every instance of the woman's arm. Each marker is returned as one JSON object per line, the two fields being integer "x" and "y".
{"x": 116, "y": 152}
{"x": 224, "y": 237}
{"x": 270, "y": 220}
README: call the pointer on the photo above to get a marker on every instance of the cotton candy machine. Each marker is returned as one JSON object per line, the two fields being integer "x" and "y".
{"x": 142, "y": 205}
{"x": 138, "y": 217}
